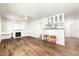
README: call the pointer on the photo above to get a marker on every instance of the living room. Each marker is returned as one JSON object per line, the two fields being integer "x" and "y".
{"x": 27, "y": 28}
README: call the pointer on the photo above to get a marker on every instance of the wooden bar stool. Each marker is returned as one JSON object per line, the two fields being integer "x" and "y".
{"x": 52, "y": 39}
{"x": 45, "y": 37}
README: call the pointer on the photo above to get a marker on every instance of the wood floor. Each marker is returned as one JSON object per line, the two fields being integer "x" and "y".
{"x": 72, "y": 42}
{"x": 29, "y": 46}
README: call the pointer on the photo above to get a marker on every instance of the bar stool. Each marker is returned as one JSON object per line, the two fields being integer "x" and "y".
{"x": 52, "y": 39}
{"x": 45, "y": 37}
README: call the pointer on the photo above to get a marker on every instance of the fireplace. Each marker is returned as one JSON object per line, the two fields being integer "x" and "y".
{"x": 18, "y": 34}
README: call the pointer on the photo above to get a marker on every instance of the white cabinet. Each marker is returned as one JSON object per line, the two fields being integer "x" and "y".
{"x": 59, "y": 33}
{"x": 56, "y": 21}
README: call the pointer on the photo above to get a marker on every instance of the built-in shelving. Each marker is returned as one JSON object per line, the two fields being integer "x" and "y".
{"x": 56, "y": 21}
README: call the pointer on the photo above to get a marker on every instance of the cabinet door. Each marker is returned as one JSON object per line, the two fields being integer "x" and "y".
{"x": 60, "y": 37}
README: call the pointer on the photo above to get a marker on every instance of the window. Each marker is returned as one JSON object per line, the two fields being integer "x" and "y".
{"x": 60, "y": 17}
{"x": 51, "y": 19}
{"x": 56, "y": 19}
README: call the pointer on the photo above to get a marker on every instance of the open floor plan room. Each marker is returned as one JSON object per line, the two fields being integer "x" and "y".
{"x": 39, "y": 29}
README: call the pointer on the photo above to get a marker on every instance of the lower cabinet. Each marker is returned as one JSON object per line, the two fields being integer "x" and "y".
{"x": 54, "y": 36}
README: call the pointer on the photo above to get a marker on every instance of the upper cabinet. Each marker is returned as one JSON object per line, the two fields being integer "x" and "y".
{"x": 56, "y": 21}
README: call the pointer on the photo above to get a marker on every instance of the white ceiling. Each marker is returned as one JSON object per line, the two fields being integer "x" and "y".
{"x": 39, "y": 10}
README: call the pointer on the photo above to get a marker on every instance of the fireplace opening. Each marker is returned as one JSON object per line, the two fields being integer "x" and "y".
{"x": 18, "y": 34}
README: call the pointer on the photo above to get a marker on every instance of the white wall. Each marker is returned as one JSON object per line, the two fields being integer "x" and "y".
{"x": 72, "y": 27}
{"x": 27, "y": 28}
{"x": 67, "y": 28}
{"x": 11, "y": 26}
{"x": 36, "y": 27}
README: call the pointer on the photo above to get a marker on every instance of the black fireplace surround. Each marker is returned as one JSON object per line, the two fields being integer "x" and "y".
{"x": 18, "y": 34}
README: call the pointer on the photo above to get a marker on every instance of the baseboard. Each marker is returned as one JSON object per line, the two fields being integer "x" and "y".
{"x": 72, "y": 37}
